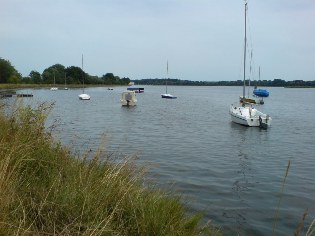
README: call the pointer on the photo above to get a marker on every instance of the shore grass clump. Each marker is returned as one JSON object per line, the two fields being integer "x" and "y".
{"x": 44, "y": 190}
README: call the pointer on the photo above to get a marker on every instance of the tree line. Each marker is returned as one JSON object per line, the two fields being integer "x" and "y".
{"x": 260, "y": 83}
{"x": 75, "y": 75}
{"x": 58, "y": 74}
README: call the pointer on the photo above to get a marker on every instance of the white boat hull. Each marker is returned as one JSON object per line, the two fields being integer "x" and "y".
{"x": 126, "y": 103}
{"x": 84, "y": 96}
{"x": 249, "y": 116}
{"x": 168, "y": 96}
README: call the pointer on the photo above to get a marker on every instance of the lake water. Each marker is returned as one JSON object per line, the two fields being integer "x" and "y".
{"x": 233, "y": 174}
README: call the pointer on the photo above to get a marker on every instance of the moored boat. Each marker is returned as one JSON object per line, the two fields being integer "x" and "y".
{"x": 128, "y": 98}
{"x": 244, "y": 113}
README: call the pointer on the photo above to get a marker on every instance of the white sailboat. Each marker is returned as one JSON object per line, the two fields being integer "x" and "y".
{"x": 84, "y": 96}
{"x": 65, "y": 88}
{"x": 167, "y": 95}
{"x": 244, "y": 113}
{"x": 54, "y": 88}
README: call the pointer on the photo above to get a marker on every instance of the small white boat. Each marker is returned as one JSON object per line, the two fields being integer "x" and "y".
{"x": 84, "y": 96}
{"x": 54, "y": 88}
{"x": 128, "y": 98}
{"x": 249, "y": 116}
{"x": 167, "y": 95}
{"x": 65, "y": 88}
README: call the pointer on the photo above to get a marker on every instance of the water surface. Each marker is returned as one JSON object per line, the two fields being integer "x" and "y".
{"x": 232, "y": 173}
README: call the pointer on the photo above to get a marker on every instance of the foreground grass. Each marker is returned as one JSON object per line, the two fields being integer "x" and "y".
{"x": 46, "y": 191}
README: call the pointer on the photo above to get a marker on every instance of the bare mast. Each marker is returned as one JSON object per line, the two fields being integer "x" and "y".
{"x": 245, "y": 41}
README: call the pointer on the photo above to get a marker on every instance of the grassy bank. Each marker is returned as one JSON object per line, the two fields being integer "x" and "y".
{"x": 46, "y": 191}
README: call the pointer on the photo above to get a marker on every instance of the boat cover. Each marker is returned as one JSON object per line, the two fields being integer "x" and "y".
{"x": 261, "y": 92}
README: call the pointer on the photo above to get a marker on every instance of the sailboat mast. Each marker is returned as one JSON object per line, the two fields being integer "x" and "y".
{"x": 259, "y": 75}
{"x": 82, "y": 72}
{"x": 166, "y": 74}
{"x": 245, "y": 41}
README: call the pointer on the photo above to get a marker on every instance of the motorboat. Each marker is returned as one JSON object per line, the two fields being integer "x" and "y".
{"x": 128, "y": 98}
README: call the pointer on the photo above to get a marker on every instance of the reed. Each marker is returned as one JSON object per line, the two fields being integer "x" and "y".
{"x": 44, "y": 190}
{"x": 311, "y": 228}
{"x": 280, "y": 198}
{"x": 298, "y": 230}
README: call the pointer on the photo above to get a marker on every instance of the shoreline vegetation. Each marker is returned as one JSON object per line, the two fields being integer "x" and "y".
{"x": 44, "y": 190}
{"x": 74, "y": 76}
{"x": 37, "y": 86}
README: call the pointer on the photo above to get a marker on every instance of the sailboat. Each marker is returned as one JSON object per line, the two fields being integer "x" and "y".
{"x": 167, "y": 95}
{"x": 54, "y": 88}
{"x": 261, "y": 93}
{"x": 84, "y": 96}
{"x": 244, "y": 113}
{"x": 65, "y": 88}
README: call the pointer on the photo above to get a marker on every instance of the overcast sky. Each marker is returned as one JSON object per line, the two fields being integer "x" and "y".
{"x": 201, "y": 39}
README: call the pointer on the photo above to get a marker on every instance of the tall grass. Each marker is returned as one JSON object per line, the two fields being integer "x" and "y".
{"x": 46, "y": 191}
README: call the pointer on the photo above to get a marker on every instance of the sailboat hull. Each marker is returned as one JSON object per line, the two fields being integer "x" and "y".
{"x": 168, "y": 96}
{"x": 84, "y": 97}
{"x": 249, "y": 116}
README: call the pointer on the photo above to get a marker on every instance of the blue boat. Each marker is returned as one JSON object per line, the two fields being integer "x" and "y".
{"x": 261, "y": 93}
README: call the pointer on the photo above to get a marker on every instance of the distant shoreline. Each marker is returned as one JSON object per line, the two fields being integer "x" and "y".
{"x": 28, "y": 86}
{"x": 61, "y": 86}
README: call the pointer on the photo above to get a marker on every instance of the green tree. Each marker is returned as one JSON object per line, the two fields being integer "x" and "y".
{"x": 15, "y": 78}
{"x": 8, "y": 72}
{"x": 35, "y": 77}
{"x": 56, "y": 72}
{"x": 109, "y": 78}
{"x": 125, "y": 80}
{"x": 74, "y": 75}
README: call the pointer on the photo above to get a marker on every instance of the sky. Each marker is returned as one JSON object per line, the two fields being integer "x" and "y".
{"x": 202, "y": 40}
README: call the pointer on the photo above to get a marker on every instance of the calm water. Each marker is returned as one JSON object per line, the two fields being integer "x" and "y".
{"x": 233, "y": 174}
